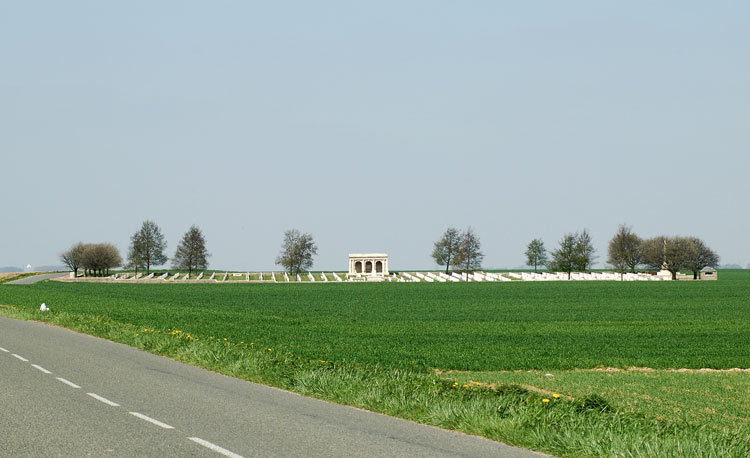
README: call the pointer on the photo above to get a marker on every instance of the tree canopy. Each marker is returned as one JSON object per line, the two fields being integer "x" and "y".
{"x": 446, "y": 249}
{"x": 575, "y": 253}
{"x": 191, "y": 253}
{"x": 625, "y": 250}
{"x": 297, "y": 251}
{"x": 147, "y": 247}
{"x": 469, "y": 256}
{"x": 536, "y": 254}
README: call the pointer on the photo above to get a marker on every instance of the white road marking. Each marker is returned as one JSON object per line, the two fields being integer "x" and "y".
{"x": 104, "y": 400}
{"x": 4, "y": 350}
{"x": 41, "y": 369}
{"x": 151, "y": 420}
{"x": 214, "y": 447}
{"x": 21, "y": 358}
{"x": 68, "y": 382}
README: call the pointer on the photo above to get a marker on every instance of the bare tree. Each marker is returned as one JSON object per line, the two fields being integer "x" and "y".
{"x": 469, "y": 257}
{"x": 297, "y": 251}
{"x": 536, "y": 254}
{"x": 98, "y": 258}
{"x": 652, "y": 252}
{"x": 699, "y": 256}
{"x": 147, "y": 247}
{"x": 446, "y": 249}
{"x": 73, "y": 258}
{"x": 625, "y": 250}
{"x": 564, "y": 259}
{"x": 191, "y": 253}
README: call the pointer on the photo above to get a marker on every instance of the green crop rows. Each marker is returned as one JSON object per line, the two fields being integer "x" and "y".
{"x": 509, "y": 326}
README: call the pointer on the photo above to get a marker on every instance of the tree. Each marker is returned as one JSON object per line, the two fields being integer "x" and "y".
{"x": 468, "y": 256}
{"x": 564, "y": 258}
{"x": 147, "y": 247}
{"x": 652, "y": 252}
{"x": 625, "y": 250}
{"x": 699, "y": 256}
{"x": 536, "y": 254}
{"x": 584, "y": 252}
{"x": 446, "y": 249}
{"x": 670, "y": 253}
{"x": 73, "y": 258}
{"x": 297, "y": 251}
{"x": 98, "y": 258}
{"x": 191, "y": 252}
{"x": 575, "y": 254}
{"x": 135, "y": 259}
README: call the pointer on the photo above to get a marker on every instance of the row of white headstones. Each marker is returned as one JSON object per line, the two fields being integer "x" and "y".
{"x": 527, "y": 276}
{"x": 429, "y": 277}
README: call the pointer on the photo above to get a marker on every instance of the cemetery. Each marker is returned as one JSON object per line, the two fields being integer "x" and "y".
{"x": 374, "y": 267}
{"x": 390, "y": 277}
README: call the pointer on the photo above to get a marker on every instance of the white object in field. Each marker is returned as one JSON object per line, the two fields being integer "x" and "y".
{"x": 44, "y": 307}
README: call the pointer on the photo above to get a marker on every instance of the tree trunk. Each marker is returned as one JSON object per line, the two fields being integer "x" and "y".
{"x": 695, "y": 275}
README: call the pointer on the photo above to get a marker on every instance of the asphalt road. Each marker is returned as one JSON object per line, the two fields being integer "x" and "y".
{"x": 36, "y": 278}
{"x": 66, "y": 394}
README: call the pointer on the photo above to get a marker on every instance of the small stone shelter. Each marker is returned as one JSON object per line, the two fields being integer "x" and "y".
{"x": 708, "y": 273}
{"x": 371, "y": 264}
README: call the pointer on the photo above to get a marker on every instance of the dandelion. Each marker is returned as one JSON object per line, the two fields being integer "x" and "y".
{"x": 545, "y": 400}
{"x": 477, "y": 383}
{"x": 321, "y": 361}
{"x": 555, "y": 395}
{"x": 466, "y": 386}
{"x": 270, "y": 349}
{"x": 455, "y": 384}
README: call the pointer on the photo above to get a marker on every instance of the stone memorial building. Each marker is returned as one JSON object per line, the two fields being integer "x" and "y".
{"x": 372, "y": 264}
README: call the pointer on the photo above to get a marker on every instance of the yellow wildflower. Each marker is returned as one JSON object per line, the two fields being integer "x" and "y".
{"x": 555, "y": 395}
{"x": 545, "y": 400}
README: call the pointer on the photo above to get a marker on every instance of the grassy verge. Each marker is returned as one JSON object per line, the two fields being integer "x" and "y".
{"x": 576, "y": 426}
{"x": 716, "y": 398}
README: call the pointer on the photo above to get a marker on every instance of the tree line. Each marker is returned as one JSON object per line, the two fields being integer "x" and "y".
{"x": 147, "y": 249}
{"x": 627, "y": 252}
{"x": 460, "y": 250}
{"x": 94, "y": 258}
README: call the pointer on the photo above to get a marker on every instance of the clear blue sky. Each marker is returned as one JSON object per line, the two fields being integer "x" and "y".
{"x": 372, "y": 126}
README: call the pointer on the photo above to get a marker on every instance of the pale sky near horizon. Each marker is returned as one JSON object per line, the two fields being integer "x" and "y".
{"x": 374, "y": 126}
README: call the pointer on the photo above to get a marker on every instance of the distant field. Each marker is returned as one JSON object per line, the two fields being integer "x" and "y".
{"x": 475, "y": 326}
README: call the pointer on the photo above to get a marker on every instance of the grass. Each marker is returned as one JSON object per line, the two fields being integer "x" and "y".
{"x": 377, "y": 346}
{"x": 700, "y": 397}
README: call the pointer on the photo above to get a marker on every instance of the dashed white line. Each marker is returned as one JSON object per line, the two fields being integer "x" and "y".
{"x": 40, "y": 368}
{"x": 68, "y": 382}
{"x": 104, "y": 400}
{"x": 214, "y": 447}
{"x": 21, "y": 358}
{"x": 4, "y": 350}
{"x": 151, "y": 420}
